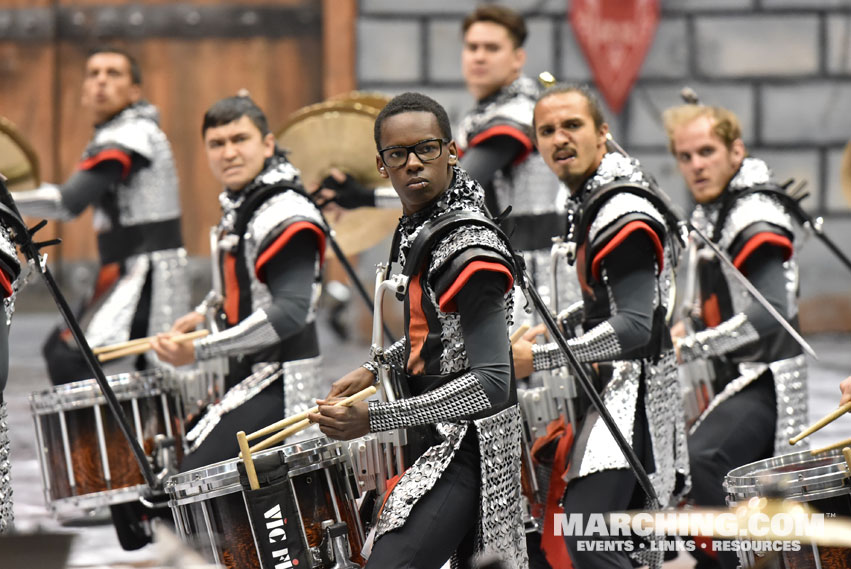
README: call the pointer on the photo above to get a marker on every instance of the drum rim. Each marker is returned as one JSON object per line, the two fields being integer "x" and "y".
{"x": 65, "y": 507}
{"x": 222, "y": 478}
{"x": 86, "y": 392}
{"x": 819, "y": 482}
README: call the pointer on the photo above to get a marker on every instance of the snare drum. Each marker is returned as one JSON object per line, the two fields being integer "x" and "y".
{"x": 822, "y": 481}
{"x": 86, "y": 462}
{"x": 210, "y": 512}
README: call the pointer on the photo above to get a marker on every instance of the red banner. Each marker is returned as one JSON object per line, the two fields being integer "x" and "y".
{"x": 615, "y": 36}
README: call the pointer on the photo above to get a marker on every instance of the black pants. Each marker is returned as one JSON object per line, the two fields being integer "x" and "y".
{"x": 443, "y": 521}
{"x": 263, "y": 409}
{"x": 63, "y": 358}
{"x": 608, "y": 491}
{"x": 737, "y": 432}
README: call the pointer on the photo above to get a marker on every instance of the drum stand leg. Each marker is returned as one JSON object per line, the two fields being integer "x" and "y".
{"x": 6, "y": 514}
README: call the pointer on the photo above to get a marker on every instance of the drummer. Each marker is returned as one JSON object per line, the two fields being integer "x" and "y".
{"x": 761, "y": 374}
{"x": 127, "y": 174}
{"x": 462, "y": 496}
{"x": 271, "y": 241}
{"x": 845, "y": 387}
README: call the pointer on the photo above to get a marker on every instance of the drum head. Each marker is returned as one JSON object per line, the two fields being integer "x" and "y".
{"x": 87, "y": 393}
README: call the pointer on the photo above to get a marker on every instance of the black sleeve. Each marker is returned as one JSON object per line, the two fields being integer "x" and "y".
{"x": 481, "y": 307}
{"x": 289, "y": 276}
{"x": 86, "y": 187}
{"x": 764, "y": 268}
{"x": 631, "y": 272}
{"x": 484, "y": 160}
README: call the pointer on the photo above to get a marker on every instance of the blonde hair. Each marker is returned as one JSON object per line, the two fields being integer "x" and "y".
{"x": 726, "y": 124}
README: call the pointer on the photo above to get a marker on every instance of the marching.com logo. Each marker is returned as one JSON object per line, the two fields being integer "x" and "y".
{"x": 722, "y": 525}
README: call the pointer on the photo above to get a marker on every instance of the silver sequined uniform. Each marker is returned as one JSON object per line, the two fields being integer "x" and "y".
{"x": 662, "y": 396}
{"x": 790, "y": 374}
{"x": 528, "y": 187}
{"x": 9, "y": 256}
{"x": 145, "y": 196}
{"x": 302, "y": 383}
{"x": 7, "y": 517}
{"x": 501, "y": 526}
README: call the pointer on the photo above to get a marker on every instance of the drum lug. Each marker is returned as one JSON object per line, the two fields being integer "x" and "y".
{"x": 164, "y": 460}
{"x": 335, "y": 550}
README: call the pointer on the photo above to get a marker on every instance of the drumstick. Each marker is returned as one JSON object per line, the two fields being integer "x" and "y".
{"x": 142, "y": 348}
{"x": 840, "y": 444}
{"x": 122, "y": 345}
{"x": 826, "y": 420}
{"x": 517, "y": 334}
{"x": 282, "y": 424}
{"x": 248, "y": 461}
{"x": 304, "y": 423}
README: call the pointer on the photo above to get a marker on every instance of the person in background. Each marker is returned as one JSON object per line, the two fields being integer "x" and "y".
{"x": 127, "y": 175}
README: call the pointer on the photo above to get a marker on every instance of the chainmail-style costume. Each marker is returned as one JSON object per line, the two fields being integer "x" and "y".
{"x": 9, "y": 283}
{"x": 649, "y": 366}
{"x": 534, "y": 193}
{"x": 461, "y": 401}
{"x": 137, "y": 223}
{"x": 257, "y": 222}
{"x": 754, "y": 220}
{"x": 7, "y": 517}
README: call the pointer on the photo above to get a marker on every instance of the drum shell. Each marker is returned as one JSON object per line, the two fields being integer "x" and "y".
{"x": 821, "y": 481}
{"x": 85, "y": 460}
{"x": 210, "y": 513}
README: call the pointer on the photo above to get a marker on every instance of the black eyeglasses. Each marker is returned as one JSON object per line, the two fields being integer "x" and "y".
{"x": 426, "y": 151}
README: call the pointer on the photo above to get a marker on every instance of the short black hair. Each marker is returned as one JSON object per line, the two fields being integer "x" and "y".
{"x": 413, "y": 103}
{"x": 135, "y": 70}
{"x": 594, "y": 106}
{"x": 231, "y": 109}
{"x": 505, "y": 17}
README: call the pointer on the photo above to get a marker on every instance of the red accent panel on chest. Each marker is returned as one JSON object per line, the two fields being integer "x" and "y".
{"x": 231, "y": 303}
{"x": 5, "y": 285}
{"x": 417, "y": 326}
{"x": 711, "y": 311}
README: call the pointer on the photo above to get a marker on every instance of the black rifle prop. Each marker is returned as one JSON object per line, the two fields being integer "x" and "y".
{"x": 555, "y": 333}
{"x": 23, "y": 237}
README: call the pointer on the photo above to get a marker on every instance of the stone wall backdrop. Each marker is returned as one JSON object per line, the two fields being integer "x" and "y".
{"x": 782, "y": 65}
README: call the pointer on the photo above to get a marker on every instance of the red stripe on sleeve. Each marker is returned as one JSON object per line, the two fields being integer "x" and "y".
{"x": 505, "y": 130}
{"x": 284, "y": 238}
{"x": 105, "y": 155}
{"x": 760, "y": 239}
{"x": 447, "y": 299}
{"x": 620, "y": 238}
